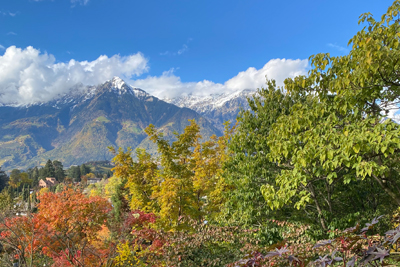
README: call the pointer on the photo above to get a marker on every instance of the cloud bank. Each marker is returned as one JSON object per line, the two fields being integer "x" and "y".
{"x": 168, "y": 85}
{"x": 28, "y": 76}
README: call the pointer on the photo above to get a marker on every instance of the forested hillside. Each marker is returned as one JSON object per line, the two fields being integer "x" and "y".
{"x": 308, "y": 176}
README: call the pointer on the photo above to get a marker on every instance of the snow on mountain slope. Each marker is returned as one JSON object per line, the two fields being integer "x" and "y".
{"x": 120, "y": 87}
{"x": 203, "y": 104}
{"x": 81, "y": 93}
{"x": 218, "y": 108}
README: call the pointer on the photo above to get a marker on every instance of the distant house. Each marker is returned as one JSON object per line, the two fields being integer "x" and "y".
{"x": 93, "y": 180}
{"x": 50, "y": 181}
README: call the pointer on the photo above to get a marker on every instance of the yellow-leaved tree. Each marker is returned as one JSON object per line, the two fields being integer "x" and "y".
{"x": 186, "y": 181}
{"x": 208, "y": 183}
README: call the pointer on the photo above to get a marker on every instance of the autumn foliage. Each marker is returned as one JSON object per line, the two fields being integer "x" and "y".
{"x": 301, "y": 180}
{"x": 67, "y": 228}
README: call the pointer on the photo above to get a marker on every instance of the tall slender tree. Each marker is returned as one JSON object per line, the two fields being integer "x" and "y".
{"x": 3, "y": 179}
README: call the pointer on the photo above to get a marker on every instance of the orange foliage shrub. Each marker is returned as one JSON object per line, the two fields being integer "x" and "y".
{"x": 69, "y": 227}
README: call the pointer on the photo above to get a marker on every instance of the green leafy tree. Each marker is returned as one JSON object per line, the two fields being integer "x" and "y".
{"x": 338, "y": 137}
{"x": 15, "y": 178}
{"x": 248, "y": 167}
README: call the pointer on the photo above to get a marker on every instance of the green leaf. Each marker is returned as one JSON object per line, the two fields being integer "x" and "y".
{"x": 356, "y": 148}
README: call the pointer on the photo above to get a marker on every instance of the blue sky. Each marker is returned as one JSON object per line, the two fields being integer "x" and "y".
{"x": 190, "y": 44}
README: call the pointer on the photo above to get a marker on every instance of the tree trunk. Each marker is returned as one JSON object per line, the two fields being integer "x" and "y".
{"x": 321, "y": 216}
{"x": 387, "y": 189}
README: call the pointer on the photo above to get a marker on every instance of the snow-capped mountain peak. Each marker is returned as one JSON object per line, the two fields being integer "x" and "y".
{"x": 218, "y": 108}
{"x": 81, "y": 93}
{"x": 120, "y": 87}
{"x": 210, "y": 102}
{"x": 118, "y": 83}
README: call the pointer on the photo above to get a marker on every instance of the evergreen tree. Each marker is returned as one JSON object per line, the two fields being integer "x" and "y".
{"x": 35, "y": 176}
{"x": 119, "y": 202}
{"x": 75, "y": 173}
{"x": 3, "y": 179}
{"x": 48, "y": 170}
{"x": 23, "y": 193}
{"x": 41, "y": 174}
{"x": 59, "y": 171}
{"x": 84, "y": 169}
{"x": 11, "y": 192}
{"x": 29, "y": 199}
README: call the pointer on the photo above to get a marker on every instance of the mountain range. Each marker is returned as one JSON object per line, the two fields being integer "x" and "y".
{"x": 217, "y": 108}
{"x": 79, "y": 126}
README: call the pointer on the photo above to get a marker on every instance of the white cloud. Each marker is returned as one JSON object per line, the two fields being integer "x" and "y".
{"x": 11, "y": 33}
{"x": 184, "y": 49}
{"x": 170, "y": 85}
{"x": 339, "y": 48}
{"x": 81, "y": 2}
{"x": 27, "y": 75}
{"x": 2, "y": 47}
{"x": 8, "y": 13}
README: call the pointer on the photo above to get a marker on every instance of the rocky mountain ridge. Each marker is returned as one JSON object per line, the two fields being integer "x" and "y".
{"x": 217, "y": 108}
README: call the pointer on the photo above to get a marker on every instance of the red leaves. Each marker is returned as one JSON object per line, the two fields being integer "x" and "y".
{"x": 144, "y": 234}
{"x": 70, "y": 209}
{"x": 138, "y": 219}
{"x": 66, "y": 228}
{"x": 71, "y": 223}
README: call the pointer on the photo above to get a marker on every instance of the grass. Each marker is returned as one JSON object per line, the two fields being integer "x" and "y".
{"x": 131, "y": 127}
{"x": 8, "y": 137}
{"x": 102, "y": 119}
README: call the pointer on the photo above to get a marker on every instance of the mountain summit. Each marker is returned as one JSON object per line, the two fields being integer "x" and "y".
{"x": 120, "y": 87}
{"x": 79, "y": 126}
